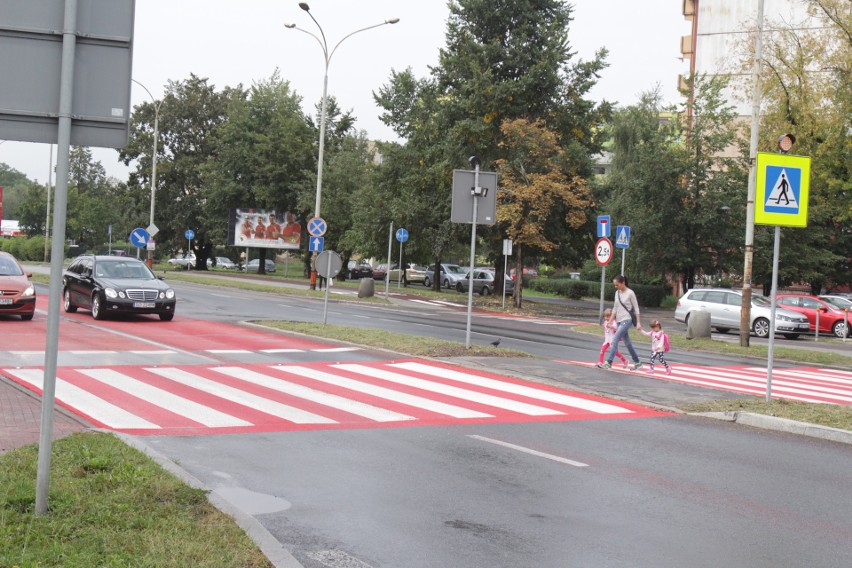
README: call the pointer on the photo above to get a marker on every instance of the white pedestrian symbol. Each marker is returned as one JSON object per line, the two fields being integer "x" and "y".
{"x": 622, "y": 237}
{"x": 782, "y": 194}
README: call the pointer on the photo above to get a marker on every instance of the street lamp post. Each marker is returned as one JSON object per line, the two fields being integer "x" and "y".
{"x": 327, "y": 55}
{"x": 153, "y": 164}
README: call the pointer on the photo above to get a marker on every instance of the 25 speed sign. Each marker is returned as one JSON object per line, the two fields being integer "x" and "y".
{"x": 603, "y": 251}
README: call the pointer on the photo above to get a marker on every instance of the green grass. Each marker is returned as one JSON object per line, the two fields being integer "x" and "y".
{"x": 110, "y": 505}
{"x": 832, "y": 415}
{"x": 408, "y": 344}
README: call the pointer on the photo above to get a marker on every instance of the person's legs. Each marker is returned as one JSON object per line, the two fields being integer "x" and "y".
{"x": 620, "y": 333}
{"x": 626, "y": 338}
{"x": 603, "y": 352}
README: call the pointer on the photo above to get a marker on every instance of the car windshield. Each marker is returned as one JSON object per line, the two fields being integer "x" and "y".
{"x": 123, "y": 269}
{"x": 758, "y": 300}
{"x": 838, "y": 303}
{"x": 455, "y": 269}
{"x": 9, "y": 267}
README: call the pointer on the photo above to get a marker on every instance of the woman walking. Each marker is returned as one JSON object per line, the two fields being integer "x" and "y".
{"x": 625, "y": 311}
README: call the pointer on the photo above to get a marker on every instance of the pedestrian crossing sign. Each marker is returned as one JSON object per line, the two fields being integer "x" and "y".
{"x": 622, "y": 237}
{"x": 781, "y": 190}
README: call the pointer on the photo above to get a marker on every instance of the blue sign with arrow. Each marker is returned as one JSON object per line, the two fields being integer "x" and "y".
{"x": 401, "y": 235}
{"x": 139, "y": 237}
{"x": 316, "y": 244}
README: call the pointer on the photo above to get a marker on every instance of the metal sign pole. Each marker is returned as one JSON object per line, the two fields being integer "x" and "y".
{"x": 623, "y": 252}
{"x": 472, "y": 254}
{"x": 387, "y": 272}
{"x": 325, "y": 301}
{"x": 773, "y": 296}
{"x": 399, "y": 275}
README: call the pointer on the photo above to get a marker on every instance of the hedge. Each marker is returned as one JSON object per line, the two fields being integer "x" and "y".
{"x": 650, "y": 296}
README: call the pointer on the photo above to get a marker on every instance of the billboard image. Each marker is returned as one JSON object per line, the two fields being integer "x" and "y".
{"x": 264, "y": 228}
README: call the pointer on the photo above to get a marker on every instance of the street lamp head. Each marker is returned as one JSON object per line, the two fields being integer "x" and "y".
{"x": 304, "y": 6}
{"x": 392, "y": 21}
{"x": 724, "y": 208}
{"x": 289, "y": 25}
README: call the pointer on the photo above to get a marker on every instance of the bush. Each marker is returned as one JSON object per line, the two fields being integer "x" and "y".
{"x": 650, "y": 296}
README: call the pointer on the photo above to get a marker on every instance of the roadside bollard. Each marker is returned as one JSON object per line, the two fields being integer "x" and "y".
{"x": 816, "y": 337}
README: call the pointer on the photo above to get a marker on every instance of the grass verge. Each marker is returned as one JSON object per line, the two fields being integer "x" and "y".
{"x": 408, "y": 344}
{"x": 110, "y": 505}
{"x": 832, "y": 415}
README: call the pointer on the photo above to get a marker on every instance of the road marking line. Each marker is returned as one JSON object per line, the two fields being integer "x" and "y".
{"x": 164, "y": 399}
{"x": 529, "y": 451}
{"x": 86, "y": 403}
{"x": 456, "y": 392}
{"x": 227, "y": 351}
{"x": 253, "y": 401}
{"x": 282, "y": 350}
{"x": 336, "y": 349}
{"x": 93, "y": 352}
{"x": 381, "y": 392}
{"x": 326, "y": 399}
{"x": 529, "y": 392}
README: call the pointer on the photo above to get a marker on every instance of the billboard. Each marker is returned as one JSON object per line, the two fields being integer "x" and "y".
{"x": 264, "y": 228}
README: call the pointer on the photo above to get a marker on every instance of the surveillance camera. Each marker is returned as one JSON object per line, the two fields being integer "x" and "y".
{"x": 474, "y": 161}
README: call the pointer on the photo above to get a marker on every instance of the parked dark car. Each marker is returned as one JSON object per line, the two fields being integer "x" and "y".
{"x": 484, "y": 283}
{"x": 17, "y": 294}
{"x": 358, "y": 270}
{"x": 115, "y": 285}
{"x": 254, "y": 266}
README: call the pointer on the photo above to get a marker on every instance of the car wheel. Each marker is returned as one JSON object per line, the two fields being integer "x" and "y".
{"x": 27, "y": 317}
{"x": 69, "y": 307}
{"x": 459, "y": 287}
{"x": 839, "y": 329}
{"x": 760, "y": 327}
{"x": 97, "y": 308}
{"x": 427, "y": 282}
{"x": 791, "y": 335}
{"x": 446, "y": 283}
{"x": 167, "y": 316}
{"x": 486, "y": 291}
{"x": 722, "y": 329}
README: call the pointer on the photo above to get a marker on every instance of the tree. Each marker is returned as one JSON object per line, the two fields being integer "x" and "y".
{"x": 190, "y": 117}
{"x": 534, "y": 186}
{"x": 807, "y": 91}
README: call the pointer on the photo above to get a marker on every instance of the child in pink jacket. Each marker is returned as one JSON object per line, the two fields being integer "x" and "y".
{"x": 609, "y": 328}
{"x": 659, "y": 346}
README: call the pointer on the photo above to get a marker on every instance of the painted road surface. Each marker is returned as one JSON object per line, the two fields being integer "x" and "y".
{"x": 808, "y": 384}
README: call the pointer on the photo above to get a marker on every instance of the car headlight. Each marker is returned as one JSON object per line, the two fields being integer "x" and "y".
{"x": 30, "y": 291}
{"x": 785, "y": 318}
{"x": 170, "y": 293}
{"x": 110, "y": 293}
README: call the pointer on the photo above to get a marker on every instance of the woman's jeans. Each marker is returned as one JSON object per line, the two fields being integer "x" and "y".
{"x": 622, "y": 334}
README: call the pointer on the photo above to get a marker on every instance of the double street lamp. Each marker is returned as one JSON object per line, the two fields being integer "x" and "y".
{"x": 327, "y": 55}
{"x": 153, "y": 164}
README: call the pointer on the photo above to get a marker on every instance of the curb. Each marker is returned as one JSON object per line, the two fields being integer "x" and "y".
{"x": 781, "y": 425}
{"x": 274, "y": 551}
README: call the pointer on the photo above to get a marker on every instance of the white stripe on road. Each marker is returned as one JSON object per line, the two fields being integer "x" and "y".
{"x": 381, "y": 392}
{"x": 85, "y": 402}
{"x": 164, "y": 399}
{"x": 456, "y": 392}
{"x": 529, "y": 451}
{"x": 255, "y": 402}
{"x": 529, "y": 392}
{"x": 320, "y": 397}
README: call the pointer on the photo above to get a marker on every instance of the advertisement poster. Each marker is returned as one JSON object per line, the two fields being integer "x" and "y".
{"x": 264, "y": 228}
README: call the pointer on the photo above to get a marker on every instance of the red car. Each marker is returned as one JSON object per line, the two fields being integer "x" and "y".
{"x": 17, "y": 293}
{"x": 831, "y": 319}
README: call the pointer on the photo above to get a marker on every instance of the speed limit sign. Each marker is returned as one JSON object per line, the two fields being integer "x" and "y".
{"x": 603, "y": 251}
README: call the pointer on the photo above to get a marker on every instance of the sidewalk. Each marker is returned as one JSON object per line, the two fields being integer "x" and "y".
{"x": 20, "y": 418}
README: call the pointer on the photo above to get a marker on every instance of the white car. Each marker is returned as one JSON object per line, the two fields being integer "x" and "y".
{"x": 725, "y": 306}
{"x": 222, "y": 262}
{"x": 185, "y": 261}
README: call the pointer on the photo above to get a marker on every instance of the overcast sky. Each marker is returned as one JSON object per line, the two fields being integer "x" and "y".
{"x": 239, "y": 42}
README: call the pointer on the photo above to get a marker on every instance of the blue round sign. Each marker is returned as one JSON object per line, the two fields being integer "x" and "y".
{"x": 189, "y": 234}
{"x": 401, "y": 235}
{"x": 139, "y": 237}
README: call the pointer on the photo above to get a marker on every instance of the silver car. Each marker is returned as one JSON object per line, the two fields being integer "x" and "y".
{"x": 449, "y": 275}
{"x": 725, "y": 305}
{"x": 484, "y": 283}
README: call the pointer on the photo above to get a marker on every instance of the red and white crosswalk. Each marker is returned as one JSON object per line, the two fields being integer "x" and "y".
{"x": 198, "y": 400}
{"x": 808, "y": 384}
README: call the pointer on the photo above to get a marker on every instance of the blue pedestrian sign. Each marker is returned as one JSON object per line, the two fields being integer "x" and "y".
{"x": 189, "y": 234}
{"x": 139, "y": 237}
{"x": 604, "y": 227}
{"x": 401, "y": 235}
{"x": 622, "y": 237}
{"x": 315, "y": 244}
{"x": 317, "y": 227}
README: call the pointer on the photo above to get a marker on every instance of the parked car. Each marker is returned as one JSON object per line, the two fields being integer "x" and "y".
{"x": 841, "y": 302}
{"x": 115, "y": 285}
{"x": 528, "y": 272}
{"x": 222, "y": 262}
{"x": 415, "y": 274}
{"x": 484, "y": 283}
{"x": 358, "y": 270}
{"x": 254, "y": 266}
{"x": 381, "y": 270}
{"x": 185, "y": 261}
{"x": 725, "y": 305}
{"x": 449, "y": 275}
{"x": 831, "y": 318}
{"x": 17, "y": 293}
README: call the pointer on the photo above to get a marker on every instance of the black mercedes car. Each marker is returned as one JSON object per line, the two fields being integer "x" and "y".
{"x": 115, "y": 285}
